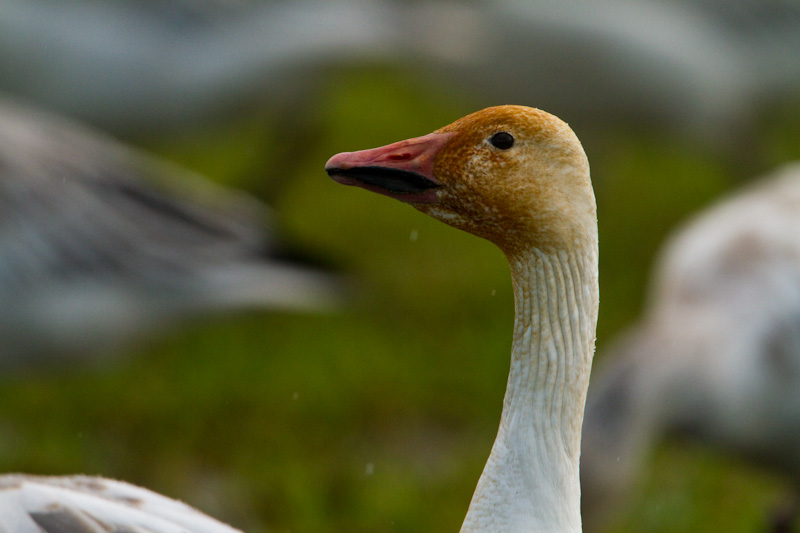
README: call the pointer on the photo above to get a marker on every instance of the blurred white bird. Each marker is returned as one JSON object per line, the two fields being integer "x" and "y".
{"x": 99, "y": 244}
{"x": 151, "y": 66}
{"x": 716, "y": 355}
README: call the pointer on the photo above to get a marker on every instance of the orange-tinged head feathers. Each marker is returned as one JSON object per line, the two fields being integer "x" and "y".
{"x": 514, "y": 175}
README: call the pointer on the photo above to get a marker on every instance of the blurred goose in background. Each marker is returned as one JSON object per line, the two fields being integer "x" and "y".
{"x": 518, "y": 177}
{"x": 99, "y": 244}
{"x": 159, "y": 65}
{"x": 716, "y": 355}
{"x": 685, "y": 65}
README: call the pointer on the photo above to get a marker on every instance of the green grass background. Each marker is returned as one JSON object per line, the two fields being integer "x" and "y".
{"x": 377, "y": 418}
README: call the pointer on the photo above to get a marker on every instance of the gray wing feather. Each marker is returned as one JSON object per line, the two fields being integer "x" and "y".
{"x": 75, "y": 202}
{"x": 66, "y": 521}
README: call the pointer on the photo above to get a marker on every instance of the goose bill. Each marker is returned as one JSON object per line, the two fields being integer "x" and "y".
{"x": 403, "y": 170}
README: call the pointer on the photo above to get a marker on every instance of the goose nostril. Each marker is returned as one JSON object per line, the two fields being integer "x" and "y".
{"x": 400, "y": 157}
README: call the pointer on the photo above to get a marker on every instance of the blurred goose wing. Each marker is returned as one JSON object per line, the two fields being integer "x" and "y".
{"x": 83, "y": 504}
{"x": 97, "y": 241}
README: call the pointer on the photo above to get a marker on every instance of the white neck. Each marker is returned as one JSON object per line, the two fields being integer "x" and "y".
{"x": 530, "y": 482}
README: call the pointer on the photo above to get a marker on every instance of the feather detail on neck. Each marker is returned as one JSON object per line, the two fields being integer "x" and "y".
{"x": 531, "y": 481}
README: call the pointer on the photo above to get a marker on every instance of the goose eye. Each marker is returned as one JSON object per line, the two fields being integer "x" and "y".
{"x": 502, "y": 140}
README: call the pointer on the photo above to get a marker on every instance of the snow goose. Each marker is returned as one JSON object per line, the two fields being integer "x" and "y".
{"x": 99, "y": 244}
{"x": 716, "y": 355}
{"x": 518, "y": 177}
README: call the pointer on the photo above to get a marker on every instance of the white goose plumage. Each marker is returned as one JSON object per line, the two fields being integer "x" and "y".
{"x": 84, "y": 504}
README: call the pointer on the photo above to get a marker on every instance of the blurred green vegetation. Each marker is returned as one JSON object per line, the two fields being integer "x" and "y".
{"x": 377, "y": 418}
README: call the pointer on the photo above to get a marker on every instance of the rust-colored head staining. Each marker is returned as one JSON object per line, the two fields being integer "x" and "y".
{"x": 514, "y": 175}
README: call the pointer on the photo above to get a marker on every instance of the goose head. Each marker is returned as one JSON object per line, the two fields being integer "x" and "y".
{"x": 514, "y": 175}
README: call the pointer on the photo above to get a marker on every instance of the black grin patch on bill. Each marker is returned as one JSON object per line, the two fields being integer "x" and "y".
{"x": 393, "y": 180}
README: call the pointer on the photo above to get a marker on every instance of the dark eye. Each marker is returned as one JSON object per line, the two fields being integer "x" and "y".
{"x": 502, "y": 140}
